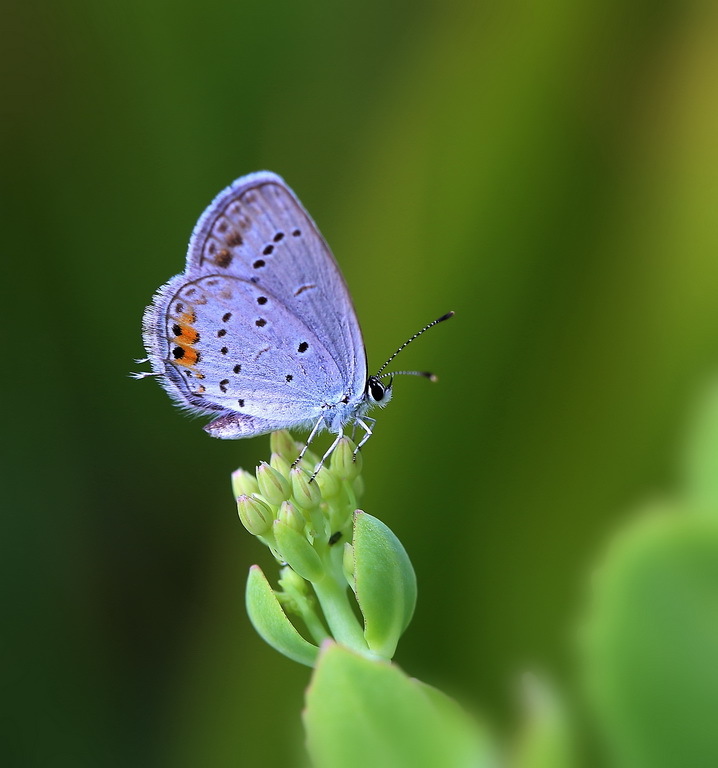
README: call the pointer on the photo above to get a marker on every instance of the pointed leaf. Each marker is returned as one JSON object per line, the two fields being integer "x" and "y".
{"x": 364, "y": 712}
{"x": 272, "y": 624}
{"x": 385, "y": 583}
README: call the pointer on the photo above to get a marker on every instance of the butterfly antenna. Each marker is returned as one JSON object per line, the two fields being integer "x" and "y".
{"x": 425, "y": 374}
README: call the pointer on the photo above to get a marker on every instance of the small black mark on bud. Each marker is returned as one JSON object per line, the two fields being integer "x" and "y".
{"x": 334, "y": 538}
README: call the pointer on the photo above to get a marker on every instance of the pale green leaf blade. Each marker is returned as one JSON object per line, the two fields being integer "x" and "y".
{"x": 362, "y": 712}
{"x": 271, "y": 622}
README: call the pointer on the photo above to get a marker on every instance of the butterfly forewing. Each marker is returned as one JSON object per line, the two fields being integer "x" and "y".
{"x": 258, "y": 230}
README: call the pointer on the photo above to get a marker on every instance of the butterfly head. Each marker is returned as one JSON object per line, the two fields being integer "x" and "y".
{"x": 378, "y": 393}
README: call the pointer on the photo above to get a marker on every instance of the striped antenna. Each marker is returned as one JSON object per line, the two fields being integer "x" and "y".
{"x": 425, "y": 374}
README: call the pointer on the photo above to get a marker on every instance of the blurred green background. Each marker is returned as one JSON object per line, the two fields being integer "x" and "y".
{"x": 547, "y": 170}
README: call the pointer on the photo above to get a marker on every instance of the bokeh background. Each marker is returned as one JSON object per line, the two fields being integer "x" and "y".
{"x": 548, "y": 170}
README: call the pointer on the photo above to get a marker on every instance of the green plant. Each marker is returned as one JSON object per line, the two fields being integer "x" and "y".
{"x": 347, "y": 590}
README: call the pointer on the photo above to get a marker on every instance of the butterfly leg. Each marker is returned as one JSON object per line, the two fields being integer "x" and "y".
{"x": 311, "y": 437}
{"x": 326, "y": 455}
{"x": 367, "y": 432}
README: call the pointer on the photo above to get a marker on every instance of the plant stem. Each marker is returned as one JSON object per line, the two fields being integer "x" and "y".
{"x": 314, "y": 625}
{"x": 342, "y": 622}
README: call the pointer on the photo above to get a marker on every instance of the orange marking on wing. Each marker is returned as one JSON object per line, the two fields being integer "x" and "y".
{"x": 184, "y": 334}
{"x": 190, "y": 356}
{"x": 184, "y": 337}
{"x": 187, "y": 336}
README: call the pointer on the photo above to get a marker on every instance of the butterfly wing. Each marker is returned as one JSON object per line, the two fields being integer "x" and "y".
{"x": 259, "y": 330}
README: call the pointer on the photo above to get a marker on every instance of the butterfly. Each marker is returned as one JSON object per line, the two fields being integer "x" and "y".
{"x": 259, "y": 331}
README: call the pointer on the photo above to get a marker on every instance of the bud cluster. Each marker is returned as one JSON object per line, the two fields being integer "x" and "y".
{"x": 280, "y": 496}
{"x": 325, "y": 545}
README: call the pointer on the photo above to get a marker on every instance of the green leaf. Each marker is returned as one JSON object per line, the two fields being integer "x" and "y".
{"x": 271, "y": 622}
{"x": 651, "y": 643}
{"x": 363, "y": 712}
{"x": 385, "y": 583}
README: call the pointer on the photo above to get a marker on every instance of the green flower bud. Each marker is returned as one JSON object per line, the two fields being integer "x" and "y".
{"x": 291, "y": 516}
{"x": 297, "y": 552}
{"x": 281, "y": 442}
{"x": 306, "y": 495}
{"x": 309, "y": 462}
{"x": 244, "y": 483}
{"x": 358, "y": 485}
{"x": 328, "y": 483}
{"x": 272, "y": 485}
{"x": 255, "y": 515}
{"x": 278, "y": 462}
{"x": 292, "y": 583}
{"x": 344, "y": 463}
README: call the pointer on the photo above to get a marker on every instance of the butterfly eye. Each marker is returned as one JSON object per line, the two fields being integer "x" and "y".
{"x": 376, "y": 390}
